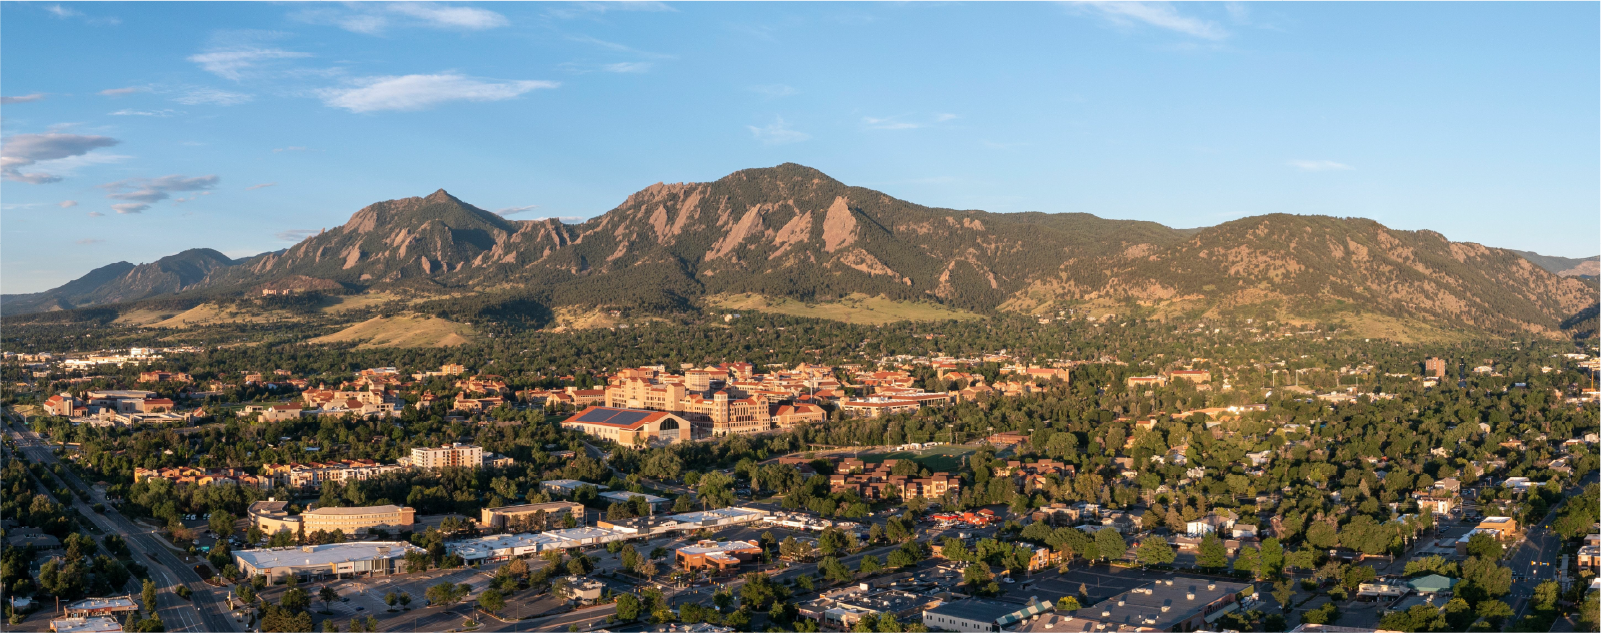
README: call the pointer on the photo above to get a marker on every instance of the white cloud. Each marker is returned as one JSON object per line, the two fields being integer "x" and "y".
{"x": 1320, "y": 165}
{"x": 450, "y": 16}
{"x": 627, "y": 67}
{"x": 96, "y": 214}
{"x": 774, "y": 91}
{"x": 420, "y": 92}
{"x": 295, "y": 235}
{"x": 899, "y": 122}
{"x": 61, "y": 12}
{"x": 291, "y": 148}
{"x": 21, "y": 99}
{"x": 154, "y": 189}
{"x": 120, "y": 92}
{"x": 618, "y": 5}
{"x": 212, "y": 96}
{"x": 126, "y": 208}
{"x": 67, "y": 204}
{"x": 164, "y": 112}
{"x": 261, "y": 186}
{"x": 234, "y": 64}
{"x": 1158, "y": 14}
{"x": 23, "y": 150}
{"x": 516, "y": 210}
{"x": 375, "y": 18}
{"x": 777, "y": 133}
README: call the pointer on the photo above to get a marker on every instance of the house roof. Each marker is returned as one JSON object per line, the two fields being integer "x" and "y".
{"x": 1432, "y": 583}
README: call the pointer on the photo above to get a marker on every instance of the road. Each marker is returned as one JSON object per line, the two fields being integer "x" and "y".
{"x": 202, "y": 612}
{"x": 1536, "y": 558}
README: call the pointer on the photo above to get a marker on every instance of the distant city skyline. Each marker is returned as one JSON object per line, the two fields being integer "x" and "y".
{"x": 132, "y": 131}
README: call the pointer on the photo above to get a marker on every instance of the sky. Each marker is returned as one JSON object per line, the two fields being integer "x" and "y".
{"x": 131, "y": 131}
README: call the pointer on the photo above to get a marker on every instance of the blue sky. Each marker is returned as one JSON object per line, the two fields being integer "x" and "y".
{"x": 133, "y": 131}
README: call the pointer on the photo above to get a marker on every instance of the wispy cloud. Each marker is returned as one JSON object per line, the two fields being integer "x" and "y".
{"x": 291, "y": 148}
{"x": 515, "y": 210}
{"x": 900, "y": 122}
{"x": 261, "y": 186}
{"x": 774, "y": 91}
{"x": 89, "y": 240}
{"x": 234, "y": 64}
{"x": 122, "y": 92}
{"x": 211, "y": 96}
{"x": 1161, "y": 15}
{"x": 62, "y": 12}
{"x": 1319, "y": 165}
{"x": 24, "y": 150}
{"x": 165, "y": 112}
{"x": 140, "y": 192}
{"x": 376, "y": 18}
{"x": 21, "y": 99}
{"x": 777, "y": 133}
{"x": 628, "y": 67}
{"x": 295, "y": 235}
{"x": 568, "y": 10}
{"x": 96, "y": 214}
{"x": 67, "y": 204}
{"x": 420, "y": 92}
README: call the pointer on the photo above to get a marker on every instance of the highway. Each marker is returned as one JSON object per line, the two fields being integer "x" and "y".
{"x": 202, "y": 612}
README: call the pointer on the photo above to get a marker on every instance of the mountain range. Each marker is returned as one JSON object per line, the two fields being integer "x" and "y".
{"x": 791, "y": 231}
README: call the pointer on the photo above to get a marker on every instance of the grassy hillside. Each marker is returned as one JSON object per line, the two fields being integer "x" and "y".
{"x": 856, "y": 308}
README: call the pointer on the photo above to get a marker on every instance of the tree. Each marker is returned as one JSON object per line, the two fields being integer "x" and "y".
{"x": 759, "y": 591}
{"x": 869, "y": 564}
{"x": 1110, "y": 545}
{"x": 1249, "y": 560}
{"x": 834, "y": 570}
{"x": 1590, "y": 611}
{"x": 1155, "y": 551}
{"x": 148, "y": 595}
{"x": 580, "y": 565}
{"x": 899, "y": 558}
{"x": 1067, "y": 603}
{"x": 221, "y": 523}
{"x": 1282, "y": 593}
{"x": 1495, "y": 611}
{"x": 627, "y": 607}
{"x": 295, "y": 600}
{"x": 1326, "y": 614}
{"x": 1321, "y": 535}
{"x": 447, "y": 593}
{"x": 490, "y": 600}
{"x": 1272, "y": 557}
{"x": 1212, "y": 555}
{"x": 1484, "y": 545}
{"x": 1545, "y": 595}
{"x": 327, "y": 595}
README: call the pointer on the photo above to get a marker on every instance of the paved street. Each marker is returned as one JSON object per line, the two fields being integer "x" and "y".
{"x": 206, "y": 611}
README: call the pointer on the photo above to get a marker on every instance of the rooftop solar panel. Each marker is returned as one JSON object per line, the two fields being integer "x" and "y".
{"x": 598, "y": 415}
{"x": 629, "y": 417}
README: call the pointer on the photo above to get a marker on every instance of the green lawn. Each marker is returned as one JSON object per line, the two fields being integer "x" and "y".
{"x": 940, "y": 459}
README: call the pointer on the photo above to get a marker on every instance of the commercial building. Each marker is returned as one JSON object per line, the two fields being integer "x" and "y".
{"x": 453, "y": 455}
{"x": 506, "y": 546}
{"x": 1064, "y": 623}
{"x": 101, "y": 606}
{"x": 657, "y": 504}
{"x": 631, "y": 427}
{"x": 1434, "y": 367}
{"x": 841, "y": 609}
{"x": 271, "y": 516}
{"x": 529, "y": 516}
{"x": 566, "y": 487}
{"x": 379, "y": 558}
{"x": 980, "y": 615}
{"x": 725, "y": 556}
{"x": 99, "y": 624}
{"x": 1174, "y": 604}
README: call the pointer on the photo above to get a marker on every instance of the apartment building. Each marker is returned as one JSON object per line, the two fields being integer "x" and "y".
{"x": 271, "y": 517}
{"x": 452, "y": 455}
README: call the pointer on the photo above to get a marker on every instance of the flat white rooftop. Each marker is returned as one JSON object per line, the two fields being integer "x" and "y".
{"x": 320, "y": 555}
